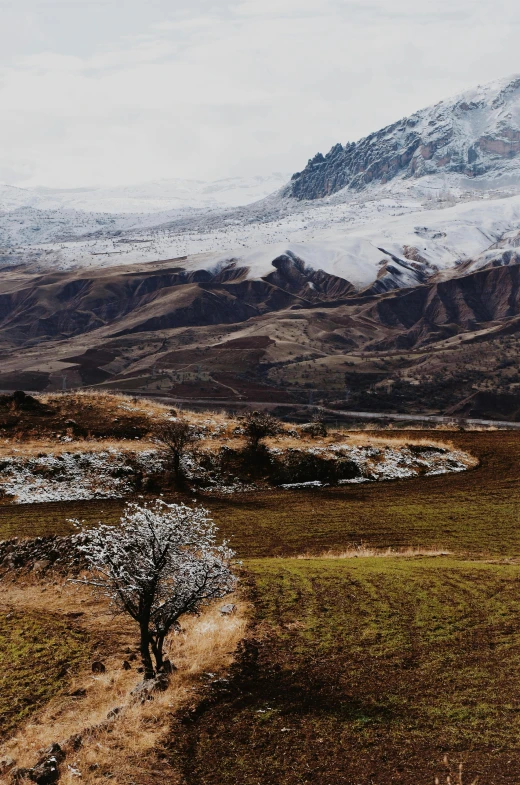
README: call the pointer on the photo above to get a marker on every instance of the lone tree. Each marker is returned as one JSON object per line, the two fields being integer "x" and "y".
{"x": 162, "y": 562}
{"x": 176, "y": 435}
{"x": 259, "y": 425}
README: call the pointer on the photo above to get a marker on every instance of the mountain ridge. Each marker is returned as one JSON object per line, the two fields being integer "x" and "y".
{"x": 467, "y": 134}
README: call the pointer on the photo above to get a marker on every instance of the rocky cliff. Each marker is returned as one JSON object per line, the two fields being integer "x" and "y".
{"x": 473, "y": 134}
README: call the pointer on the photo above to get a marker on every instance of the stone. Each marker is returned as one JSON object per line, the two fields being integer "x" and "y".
{"x": 145, "y": 688}
{"x": 73, "y": 743}
{"x": 41, "y": 565}
{"x": 227, "y": 610}
{"x": 6, "y": 764}
{"x": 53, "y": 751}
{"x": 46, "y": 773}
{"x": 162, "y": 682}
{"x": 20, "y": 774}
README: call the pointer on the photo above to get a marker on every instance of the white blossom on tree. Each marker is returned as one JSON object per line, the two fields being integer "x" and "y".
{"x": 161, "y": 562}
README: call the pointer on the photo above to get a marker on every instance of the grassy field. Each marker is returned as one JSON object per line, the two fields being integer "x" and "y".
{"x": 473, "y": 512}
{"x": 362, "y": 671}
{"x": 38, "y": 655}
{"x": 369, "y": 670}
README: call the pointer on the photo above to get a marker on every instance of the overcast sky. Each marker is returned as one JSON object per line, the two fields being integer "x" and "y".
{"x": 124, "y": 91}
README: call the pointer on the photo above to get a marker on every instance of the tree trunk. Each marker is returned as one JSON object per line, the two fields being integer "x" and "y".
{"x": 176, "y": 464}
{"x": 157, "y": 648}
{"x": 146, "y": 657}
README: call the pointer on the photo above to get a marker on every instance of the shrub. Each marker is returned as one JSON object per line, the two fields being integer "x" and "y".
{"x": 259, "y": 425}
{"x": 176, "y": 436}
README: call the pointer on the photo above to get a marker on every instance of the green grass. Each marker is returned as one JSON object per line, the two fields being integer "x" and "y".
{"x": 370, "y": 665}
{"x": 38, "y": 655}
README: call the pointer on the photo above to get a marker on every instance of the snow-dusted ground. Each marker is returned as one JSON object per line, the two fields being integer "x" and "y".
{"x": 112, "y": 474}
{"x": 348, "y": 235}
{"x": 69, "y": 476}
{"x": 390, "y": 463}
{"x": 153, "y": 197}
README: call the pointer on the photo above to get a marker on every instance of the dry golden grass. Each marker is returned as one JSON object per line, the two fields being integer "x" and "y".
{"x": 366, "y": 552}
{"x": 123, "y": 748}
{"x": 454, "y": 775}
{"x": 108, "y": 401}
{"x": 357, "y": 439}
{"x": 35, "y": 447}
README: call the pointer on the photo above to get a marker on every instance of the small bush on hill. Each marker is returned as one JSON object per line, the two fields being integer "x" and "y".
{"x": 258, "y": 426}
{"x": 176, "y": 436}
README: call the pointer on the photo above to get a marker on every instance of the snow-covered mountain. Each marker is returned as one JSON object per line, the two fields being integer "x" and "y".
{"x": 433, "y": 195}
{"x": 473, "y": 134}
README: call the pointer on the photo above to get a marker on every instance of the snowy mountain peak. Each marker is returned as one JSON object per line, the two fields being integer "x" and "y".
{"x": 473, "y": 134}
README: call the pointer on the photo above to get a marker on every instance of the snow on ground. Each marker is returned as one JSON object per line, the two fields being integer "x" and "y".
{"x": 345, "y": 237}
{"x": 73, "y": 476}
{"x": 390, "y": 463}
{"x": 112, "y": 474}
{"x": 152, "y": 197}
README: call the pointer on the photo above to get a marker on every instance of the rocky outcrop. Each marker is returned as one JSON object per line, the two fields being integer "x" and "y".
{"x": 291, "y": 274}
{"x": 472, "y": 135}
{"x": 42, "y": 554}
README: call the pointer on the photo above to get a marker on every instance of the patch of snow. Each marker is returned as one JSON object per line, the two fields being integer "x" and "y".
{"x": 310, "y": 484}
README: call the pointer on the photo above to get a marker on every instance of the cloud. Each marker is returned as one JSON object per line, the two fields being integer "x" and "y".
{"x": 118, "y": 96}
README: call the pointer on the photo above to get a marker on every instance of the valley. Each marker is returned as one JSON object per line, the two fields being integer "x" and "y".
{"x": 383, "y": 275}
{"x": 318, "y": 372}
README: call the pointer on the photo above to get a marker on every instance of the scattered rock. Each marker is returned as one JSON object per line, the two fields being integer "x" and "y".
{"x": 6, "y": 764}
{"x": 162, "y": 682}
{"x": 41, "y": 565}
{"x": 227, "y": 610}
{"x": 73, "y": 743}
{"x": 53, "y": 751}
{"x": 46, "y": 773}
{"x": 20, "y": 774}
{"x": 98, "y": 667}
{"x": 145, "y": 688}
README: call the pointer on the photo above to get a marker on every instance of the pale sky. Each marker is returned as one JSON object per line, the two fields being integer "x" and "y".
{"x": 114, "y": 92}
